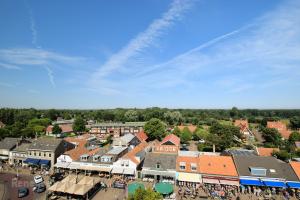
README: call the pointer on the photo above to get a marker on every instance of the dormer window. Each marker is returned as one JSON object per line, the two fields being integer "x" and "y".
{"x": 96, "y": 158}
{"x": 193, "y": 166}
{"x": 84, "y": 157}
{"x": 157, "y": 165}
{"x": 182, "y": 165}
{"x": 258, "y": 171}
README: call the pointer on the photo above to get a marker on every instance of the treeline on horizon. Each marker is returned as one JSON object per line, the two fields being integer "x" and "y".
{"x": 171, "y": 116}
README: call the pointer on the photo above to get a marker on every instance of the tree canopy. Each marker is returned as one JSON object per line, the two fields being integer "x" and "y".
{"x": 147, "y": 194}
{"x": 56, "y": 130}
{"x": 79, "y": 125}
{"x": 155, "y": 129}
{"x": 272, "y": 137}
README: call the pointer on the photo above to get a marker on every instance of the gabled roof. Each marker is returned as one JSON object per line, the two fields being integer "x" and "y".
{"x": 242, "y": 124}
{"x": 45, "y": 144}
{"x": 171, "y": 138}
{"x": 166, "y": 161}
{"x": 135, "y": 151}
{"x": 281, "y": 127}
{"x": 9, "y": 143}
{"x": 65, "y": 128}
{"x": 282, "y": 170}
{"x": 217, "y": 165}
{"x": 188, "y": 160}
{"x": 266, "y": 151}
{"x": 192, "y": 128}
{"x": 142, "y": 136}
{"x": 296, "y": 167}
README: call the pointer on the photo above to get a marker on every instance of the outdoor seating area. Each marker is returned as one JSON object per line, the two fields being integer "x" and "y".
{"x": 165, "y": 189}
{"x": 75, "y": 185}
{"x": 132, "y": 187}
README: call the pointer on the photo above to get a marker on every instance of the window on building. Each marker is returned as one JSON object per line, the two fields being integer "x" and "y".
{"x": 258, "y": 171}
{"x": 194, "y": 167}
{"x": 50, "y": 155}
{"x": 44, "y": 154}
{"x": 182, "y": 165}
{"x": 40, "y": 154}
{"x": 34, "y": 154}
{"x": 157, "y": 165}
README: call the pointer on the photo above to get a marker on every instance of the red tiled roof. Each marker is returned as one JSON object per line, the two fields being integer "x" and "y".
{"x": 296, "y": 168}
{"x": 217, "y": 165}
{"x": 132, "y": 154}
{"x": 266, "y": 151}
{"x": 281, "y": 127}
{"x": 171, "y": 138}
{"x": 142, "y": 136}
{"x": 192, "y": 128}
{"x": 188, "y": 161}
{"x": 243, "y": 124}
{"x": 65, "y": 128}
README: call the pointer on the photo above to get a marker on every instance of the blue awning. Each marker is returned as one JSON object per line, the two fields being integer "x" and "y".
{"x": 32, "y": 161}
{"x": 251, "y": 182}
{"x": 44, "y": 162}
{"x": 293, "y": 184}
{"x": 275, "y": 184}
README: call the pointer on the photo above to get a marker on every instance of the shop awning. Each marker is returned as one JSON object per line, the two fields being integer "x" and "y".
{"x": 157, "y": 172}
{"x": 293, "y": 185}
{"x": 134, "y": 186}
{"x": 229, "y": 182}
{"x": 211, "y": 181}
{"x": 274, "y": 184}
{"x": 251, "y": 182}
{"x": 189, "y": 177}
{"x": 32, "y": 161}
{"x": 62, "y": 164}
{"x": 74, "y": 166}
{"x": 129, "y": 171}
{"x": 44, "y": 162}
{"x": 163, "y": 188}
{"x": 117, "y": 170}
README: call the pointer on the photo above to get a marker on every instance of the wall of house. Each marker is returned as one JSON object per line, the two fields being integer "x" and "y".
{"x": 64, "y": 158}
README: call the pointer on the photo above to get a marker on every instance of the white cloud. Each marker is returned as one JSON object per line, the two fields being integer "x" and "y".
{"x": 9, "y": 66}
{"x": 142, "y": 41}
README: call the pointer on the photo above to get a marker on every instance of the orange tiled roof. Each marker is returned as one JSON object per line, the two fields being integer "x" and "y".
{"x": 266, "y": 151}
{"x": 243, "y": 124}
{"x": 192, "y": 128}
{"x": 65, "y": 128}
{"x": 281, "y": 127}
{"x": 172, "y": 138}
{"x": 217, "y": 165}
{"x": 188, "y": 161}
{"x": 142, "y": 136}
{"x": 132, "y": 154}
{"x": 296, "y": 168}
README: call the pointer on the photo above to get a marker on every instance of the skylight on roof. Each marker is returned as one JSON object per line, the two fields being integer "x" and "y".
{"x": 258, "y": 171}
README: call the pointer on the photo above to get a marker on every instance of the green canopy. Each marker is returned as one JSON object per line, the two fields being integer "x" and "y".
{"x": 164, "y": 188}
{"x": 134, "y": 186}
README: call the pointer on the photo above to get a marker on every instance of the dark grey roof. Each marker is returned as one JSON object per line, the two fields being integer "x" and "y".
{"x": 22, "y": 147}
{"x": 9, "y": 143}
{"x": 166, "y": 161}
{"x": 45, "y": 144}
{"x": 240, "y": 152}
{"x": 282, "y": 169}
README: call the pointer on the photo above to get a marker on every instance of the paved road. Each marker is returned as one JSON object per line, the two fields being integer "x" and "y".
{"x": 9, "y": 187}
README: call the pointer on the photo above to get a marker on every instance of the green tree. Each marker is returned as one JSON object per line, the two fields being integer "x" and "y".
{"x": 56, "y": 130}
{"x": 272, "y": 136}
{"x": 148, "y": 194}
{"x": 282, "y": 155}
{"x": 79, "y": 125}
{"x": 176, "y": 131}
{"x": 223, "y": 136}
{"x": 131, "y": 116}
{"x": 295, "y": 136}
{"x": 200, "y": 133}
{"x": 4, "y": 133}
{"x": 155, "y": 129}
{"x": 185, "y": 135}
{"x": 173, "y": 117}
{"x": 295, "y": 122}
{"x": 234, "y": 112}
{"x": 28, "y": 132}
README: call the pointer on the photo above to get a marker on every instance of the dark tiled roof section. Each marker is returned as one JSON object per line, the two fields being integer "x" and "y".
{"x": 166, "y": 161}
{"x": 9, "y": 143}
{"x": 282, "y": 169}
{"x": 45, "y": 144}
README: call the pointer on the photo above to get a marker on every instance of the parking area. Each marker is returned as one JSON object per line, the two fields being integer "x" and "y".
{"x": 9, "y": 187}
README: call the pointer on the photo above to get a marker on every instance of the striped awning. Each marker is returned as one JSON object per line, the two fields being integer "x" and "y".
{"x": 229, "y": 182}
{"x": 117, "y": 170}
{"x": 189, "y": 177}
{"x": 62, "y": 164}
{"x": 129, "y": 171}
{"x": 211, "y": 181}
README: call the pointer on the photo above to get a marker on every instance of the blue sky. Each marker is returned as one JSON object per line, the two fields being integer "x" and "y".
{"x": 137, "y": 53}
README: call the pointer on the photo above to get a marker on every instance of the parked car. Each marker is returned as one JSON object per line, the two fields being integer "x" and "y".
{"x": 23, "y": 192}
{"x": 38, "y": 179}
{"x": 39, "y": 188}
{"x": 119, "y": 185}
